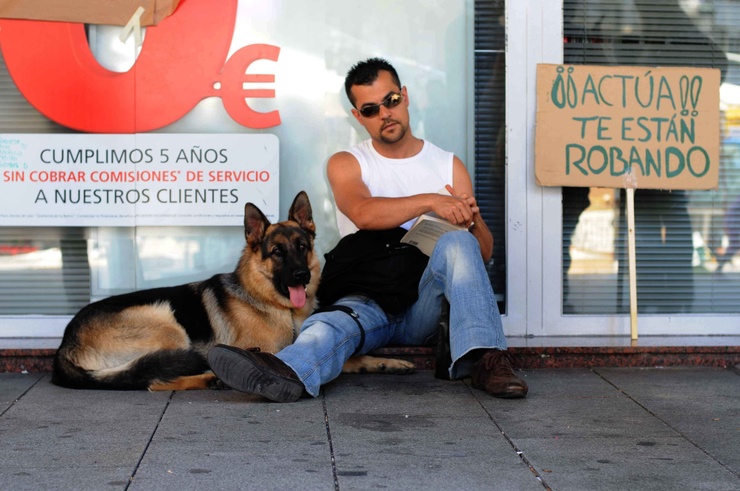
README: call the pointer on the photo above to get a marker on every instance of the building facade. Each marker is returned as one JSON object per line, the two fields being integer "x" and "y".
{"x": 126, "y": 167}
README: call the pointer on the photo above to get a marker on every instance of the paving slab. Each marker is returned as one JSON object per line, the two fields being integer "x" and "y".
{"x": 707, "y": 414}
{"x": 415, "y": 432}
{"x": 30, "y": 478}
{"x": 572, "y": 403}
{"x": 89, "y": 438}
{"x": 580, "y": 429}
{"x": 629, "y": 464}
{"x": 47, "y": 401}
{"x": 411, "y": 392}
{"x": 239, "y": 441}
{"x": 15, "y": 385}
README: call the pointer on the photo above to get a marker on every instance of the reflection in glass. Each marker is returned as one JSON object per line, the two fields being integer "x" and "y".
{"x": 686, "y": 241}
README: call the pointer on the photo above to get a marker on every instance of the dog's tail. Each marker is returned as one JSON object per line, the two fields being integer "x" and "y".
{"x": 160, "y": 366}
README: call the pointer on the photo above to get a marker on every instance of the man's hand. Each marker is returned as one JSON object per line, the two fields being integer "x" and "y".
{"x": 479, "y": 228}
{"x": 455, "y": 209}
{"x": 471, "y": 205}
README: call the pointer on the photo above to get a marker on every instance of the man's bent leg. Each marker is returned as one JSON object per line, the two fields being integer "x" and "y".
{"x": 455, "y": 271}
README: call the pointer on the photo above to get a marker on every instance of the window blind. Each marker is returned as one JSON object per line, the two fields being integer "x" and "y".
{"x": 43, "y": 271}
{"x": 490, "y": 117}
{"x": 686, "y": 241}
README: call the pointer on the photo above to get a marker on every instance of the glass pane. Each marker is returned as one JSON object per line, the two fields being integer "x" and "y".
{"x": 427, "y": 41}
{"x": 687, "y": 242}
{"x": 47, "y": 274}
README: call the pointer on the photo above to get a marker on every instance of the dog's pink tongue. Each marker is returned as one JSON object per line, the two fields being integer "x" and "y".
{"x": 297, "y": 295}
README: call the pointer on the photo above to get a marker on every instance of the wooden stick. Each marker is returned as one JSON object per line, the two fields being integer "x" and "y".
{"x": 632, "y": 261}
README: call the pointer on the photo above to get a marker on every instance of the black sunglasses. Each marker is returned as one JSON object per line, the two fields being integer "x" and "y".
{"x": 390, "y": 102}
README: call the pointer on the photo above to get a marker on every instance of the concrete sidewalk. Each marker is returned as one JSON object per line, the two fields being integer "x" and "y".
{"x": 580, "y": 429}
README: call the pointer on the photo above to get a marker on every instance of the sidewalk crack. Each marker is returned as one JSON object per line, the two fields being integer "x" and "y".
{"x": 331, "y": 445}
{"x": 149, "y": 441}
{"x": 518, "y": 451}
{"x": 2, "y": 413}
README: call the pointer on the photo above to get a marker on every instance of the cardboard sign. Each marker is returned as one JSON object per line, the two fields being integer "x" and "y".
{"x": 116, "y": 13}
{"x": 627, "y": 127}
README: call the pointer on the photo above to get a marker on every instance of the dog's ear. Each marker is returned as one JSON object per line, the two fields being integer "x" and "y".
{"x": 255, "y": 224}
{"x": 301, "y": 213}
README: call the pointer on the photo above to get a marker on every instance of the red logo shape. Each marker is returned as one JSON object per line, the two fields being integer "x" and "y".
{"x": 178, "y": 66}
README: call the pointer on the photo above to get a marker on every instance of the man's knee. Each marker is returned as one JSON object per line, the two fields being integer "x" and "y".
{"x": 343, "y": 321}
{"x": 457, "y": 243}
{"x": 328, "y": 324}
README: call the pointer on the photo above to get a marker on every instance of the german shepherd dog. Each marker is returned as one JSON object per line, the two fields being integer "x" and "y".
{"x": 157, "y": 339}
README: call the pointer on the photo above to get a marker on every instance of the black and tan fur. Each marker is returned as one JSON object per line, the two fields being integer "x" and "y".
{"x": 157, "y": 339}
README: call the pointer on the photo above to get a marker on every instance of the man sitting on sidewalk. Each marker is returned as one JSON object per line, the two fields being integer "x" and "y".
{"x": 379, "y": 185}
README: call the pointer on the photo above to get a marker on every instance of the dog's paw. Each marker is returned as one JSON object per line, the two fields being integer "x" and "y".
{"x": 398, "y": 367}
{"x": 372, "y": 364}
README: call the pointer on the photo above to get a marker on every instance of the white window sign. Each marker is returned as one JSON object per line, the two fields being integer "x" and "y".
{"x": 136, "y": 180}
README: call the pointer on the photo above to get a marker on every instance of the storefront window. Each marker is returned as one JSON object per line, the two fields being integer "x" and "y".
{"x": 54, "y": 271}
{"x": 687, "y": 242}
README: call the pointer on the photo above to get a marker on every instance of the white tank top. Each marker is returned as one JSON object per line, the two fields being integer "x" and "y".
{"x": 426, "y": 172}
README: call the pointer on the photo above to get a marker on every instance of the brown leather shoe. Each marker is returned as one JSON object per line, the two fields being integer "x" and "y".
{"x": 255, "y": 372}
{"x": 493, "y": 373}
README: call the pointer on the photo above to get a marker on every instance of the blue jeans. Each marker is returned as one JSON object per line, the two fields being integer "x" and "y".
{"x": 455, "y": 272}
